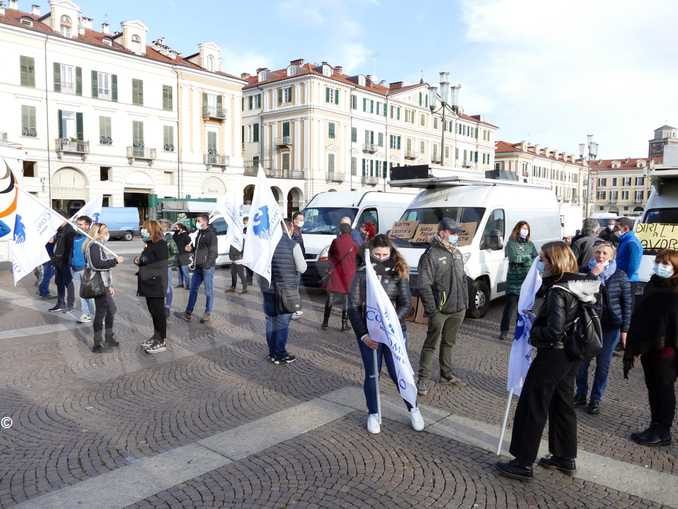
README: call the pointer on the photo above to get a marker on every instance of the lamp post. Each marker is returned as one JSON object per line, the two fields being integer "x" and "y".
{"x": 441, "y": 102}
{"x": 588, "y": 152}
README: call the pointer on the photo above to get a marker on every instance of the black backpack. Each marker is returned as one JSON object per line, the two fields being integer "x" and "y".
{"x": 584, "y": 337}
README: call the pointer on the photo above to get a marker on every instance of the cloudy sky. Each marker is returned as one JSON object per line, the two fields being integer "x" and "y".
{"x": 547, "y": 71}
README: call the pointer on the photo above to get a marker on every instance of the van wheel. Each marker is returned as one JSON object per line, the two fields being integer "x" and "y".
{"x": 128, "y": 236}
{"x": 479, "y": 298}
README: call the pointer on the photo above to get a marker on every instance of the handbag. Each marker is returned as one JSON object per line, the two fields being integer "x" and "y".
{"x": 289, "y": 299}
{"x": 91, "y": 284}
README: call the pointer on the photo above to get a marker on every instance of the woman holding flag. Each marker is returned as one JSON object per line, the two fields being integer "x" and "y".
{"x": 393, "y": 273}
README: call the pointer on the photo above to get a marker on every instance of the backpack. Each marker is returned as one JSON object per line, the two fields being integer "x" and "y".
{"x": 77, "y": 254}
{"x": 584, "y": 337}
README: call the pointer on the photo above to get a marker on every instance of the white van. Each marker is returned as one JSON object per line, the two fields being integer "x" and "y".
{"x": 488, "y": 210}
{"x": 324, "y": 211}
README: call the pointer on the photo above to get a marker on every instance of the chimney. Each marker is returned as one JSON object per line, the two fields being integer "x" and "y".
{"x": 35, "y": 10}
{"x": 86, "y": 23}
{"x": 338, "y": 69}
{"x": 244, "y": 75}
{"x": 14, "y": 5}
{"x": 134, "y": 36}
{"x": 395, "y": 85}
{"x": 105, "y": 28}
{"x": 298, "y": 61}
{"x": 368, "y": 78}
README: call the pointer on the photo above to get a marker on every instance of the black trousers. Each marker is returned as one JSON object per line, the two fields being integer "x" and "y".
{"x": 510, "y": 306}
{"x": 63, "y": 278}
{"x": 238, "y": 271}
{"x": 156, "y": 306}
{"x": 548, "y": 392}
{"x": 660, "y": 377}
{"x": 105, "y": 310}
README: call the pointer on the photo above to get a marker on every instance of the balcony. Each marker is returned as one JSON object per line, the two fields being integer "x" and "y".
{"x": 213, "y": 113}
{"x": 370, "y": 180}
{"x": 283, "y": 141}
{"x": 370, "y": 148}
{"x": 213, "y": 159}
{"x": 29, "y": 132}
{"x": 251, "y": 169}
{"x": 72, "y": 146}
{"x": 279, "y": 173}
{"x": 336, "y": 176}
{"x": 141, "y": 153}
{"x": 410, "y": 154}
{"x": 436, "y": 160}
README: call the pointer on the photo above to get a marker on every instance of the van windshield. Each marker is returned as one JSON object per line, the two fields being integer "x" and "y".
{"x": 410, "y": 234}
{"x": 664, "y": 216}
{"x": 325, "y": 220}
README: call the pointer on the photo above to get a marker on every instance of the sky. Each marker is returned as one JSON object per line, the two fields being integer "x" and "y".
{"x": 546, "y": 71}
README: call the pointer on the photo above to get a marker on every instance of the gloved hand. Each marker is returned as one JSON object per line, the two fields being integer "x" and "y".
{"x": 628, "y": 364}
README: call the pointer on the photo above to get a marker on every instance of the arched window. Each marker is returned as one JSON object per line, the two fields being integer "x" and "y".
{"x": 66, "y": 26}
{"x": 136, "y": 39}
{"x": 210, "y": 63}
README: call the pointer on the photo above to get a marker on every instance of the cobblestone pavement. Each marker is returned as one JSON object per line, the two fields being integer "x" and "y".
{"x": 77, "y": 415}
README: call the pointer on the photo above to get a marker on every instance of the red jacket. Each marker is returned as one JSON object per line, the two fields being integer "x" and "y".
{"x": 342, "y": 258}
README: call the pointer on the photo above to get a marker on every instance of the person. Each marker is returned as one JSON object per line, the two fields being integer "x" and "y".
{"x": 152, "y": 283}
{"x": 615, "y": 308}
{"x": 355, "y": 234}
{"x": 444, "y": 293}
{"x": 61, "y": 259}
{"x": 204, "y": 250}
{"x": 653, "y": 336}
{"x": 182, "y": 239}
{"x": 368, "y": 231}
{"x": 393, "y": 273}
{"x": 342, "y": 260}
{"x": 630, "y": 251}
{"x": 172, "y": 253}
{"x": 547, "y": 390}
{"x": 520, "y": 252}
{"x": 297, "y": 225}
{"x": 607, "y": 234}
{"x": 287, "y": 262}
{"x": 98, "y": 259}
{"x": 237, "y": 268}
{"x": 582, "y": 247}
{"x": 47, "y": 273}
{"x": 78, "y": 267}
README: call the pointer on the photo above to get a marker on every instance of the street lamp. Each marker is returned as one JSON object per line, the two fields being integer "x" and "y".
{"x": 440, "y": 102}
{"x": 588, "y": 152}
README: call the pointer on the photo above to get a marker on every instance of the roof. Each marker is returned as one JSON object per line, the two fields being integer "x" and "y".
{"x": 505, "y": 147}
{"x": 93, "y": 38}
{"x": 630, "y": 163}
{"x": 665, "y": 126}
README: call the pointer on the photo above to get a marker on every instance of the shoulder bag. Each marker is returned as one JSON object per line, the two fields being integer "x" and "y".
{"x": 92, "y": 284}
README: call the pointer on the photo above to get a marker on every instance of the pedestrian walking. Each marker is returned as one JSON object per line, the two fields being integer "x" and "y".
{"x": 520, "y": 252}
{"x": 342, "y": 260}
{"x": 47, "y": 273}
{"x": 182, "y": 239}
{"x": 355, "y": 234}
{"x": 616, "y": 304}
{"x": 205, "y": 251}
{"x": 547, "y": 391}
{"x": 61, "y": 259}
{"x": 393, "y": 273}
{"x": 443, "y": 289}
{"x": 100, "y": 261}
{"x": 583, "y": 246}
{"x": 629, "y": 251}
{"x": 152, "y": 283}
{"x": 297, "y": 236}
{"x": 172, "y": 253}
{"x": 653, "y": 336}
{"x": 78, "y": 265}
{"x": 237, "y": 269}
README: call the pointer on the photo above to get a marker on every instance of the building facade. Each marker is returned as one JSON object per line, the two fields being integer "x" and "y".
{"x": 111, "y": 113}
{"x": 663, "y": 136}
{"x": 620, "y": 186}
{"x": 313, "y": 128}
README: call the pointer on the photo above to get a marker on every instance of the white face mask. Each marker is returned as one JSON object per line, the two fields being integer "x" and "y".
{"x": 453, "y": 239}
{"x": 610, "y": 227}
{"x": 663, "y": 270}
{"x": 524, "y": 232}
{"x": 300, "y": 224}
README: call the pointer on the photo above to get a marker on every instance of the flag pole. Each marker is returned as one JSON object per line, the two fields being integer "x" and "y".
{"x": 376, "y": 381}
{"x": 503, "y": 426}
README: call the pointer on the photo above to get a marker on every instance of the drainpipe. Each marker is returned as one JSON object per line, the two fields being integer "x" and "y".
{"x": 176, "y": 71}
{"x": 49, "y": 157}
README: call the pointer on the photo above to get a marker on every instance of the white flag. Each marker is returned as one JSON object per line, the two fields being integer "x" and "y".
{"x": 34, "y": 225}
{"x": 520, "y": 357}
{"x": 384, "y": 327}
{"x": 91, "y": 209}
{"x": 265, "y": 229}
{"x": 230, "y": 212}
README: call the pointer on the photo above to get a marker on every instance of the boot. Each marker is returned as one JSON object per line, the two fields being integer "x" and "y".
{"x": 344, "y": 321}
{"x": 98, "y": 340}
{"x": 326, "y": 317}
{"x": 110, "y": 339}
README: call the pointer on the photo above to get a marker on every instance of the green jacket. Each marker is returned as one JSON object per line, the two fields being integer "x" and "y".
{"x": 442, "y": 283}
{"x": 172, "y": 249}
{"x": 520, "y": 255}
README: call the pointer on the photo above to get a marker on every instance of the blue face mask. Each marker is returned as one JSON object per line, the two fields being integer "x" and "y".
{"x": 540, "y": 266}
{"x": 663, "y": 270}
{"x": 453, "y": 239}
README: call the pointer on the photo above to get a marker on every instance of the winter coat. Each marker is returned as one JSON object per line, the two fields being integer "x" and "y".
{"x": 442, "y": 283}
{"x": 205, "y": 248}
{"x": 182, "y": 239}
{"x": 63, "y": 246}
{"x": 560, "y": 307}
{"x": 629, "y": 254}
{"x": 654, "y": 325}
{"x": 102, "y": 262}
{"x": 520, "y": 254}
{"x": 172, "y": 250}
{"x": 152, "y": 275}
{"x": 397, "y": 289}
{"x": 609, "y": 236}
{"x": 285, "y": 269}
{"x": 616, "y": 302}
{"x": 342, "y": 260}
{"x": 298, "y": 238}
{"x": 583, "y": 249}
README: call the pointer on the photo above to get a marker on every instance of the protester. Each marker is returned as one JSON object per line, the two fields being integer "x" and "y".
{"x": 444, "y": 293}
{"x": 205, "y": 251}
{"x": 547, "y": 390}
{"x": 47, "y": 273}
{"x": 355, "y": 234}
{"x": 393, "y": 273}
{"x": 654, "y": 337}
{"x": 152, "y": 283}
{"x": 368, "y": 231}
{"x": 286, "y": 265}
{"x": 582, "y": 247}
{"x": 182, "y": 239}
{"x": 172, "y": 253}
{"x": 237, "y": 268}
{"x": 630, "y": 251}
{"x": 615, "y": 314}
{"x": 61, "y": 259}
{"x": 297, "y": 225}
{"x": 520, "y": 252}
{"x": 608, "y": 235}
{"x": 78, "y": 264}
{"x": 342, "y": 261}
{"x": 99, "y": 260}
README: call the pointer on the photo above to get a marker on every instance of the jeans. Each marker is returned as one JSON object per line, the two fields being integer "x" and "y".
{"x": 86, "y": 305}
{"x": 603, "y": 360}
{"x": 64, "y": 283}
{"x": 442, "y": 330}
{"x": 169, "y": 293}
{"x": 47, "y": 274}
{"x": 277, "y": 327}
{"x": 370, "y": 383}
{"x": 183, "y": 276}
{"x": 510, "y": 305}
{"x": 201, "y": 276}
{"x": 105, "y": 310}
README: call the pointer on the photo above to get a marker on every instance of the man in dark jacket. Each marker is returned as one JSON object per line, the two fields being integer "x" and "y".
{"x": 443, "y": 289}
{"x": 61, "y": 259}
{"x": 582, "y": 247}
{"x": 237, "y": 268}
{"x": 182, "y": 239}
{"x": 205, "y": 252}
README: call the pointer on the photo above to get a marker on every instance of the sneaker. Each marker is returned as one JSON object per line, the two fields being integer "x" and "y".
{"x": 274, "y": 360}
{"x": 110, "y": 342}
{"x": 67, "y": 310}
{"x": 230, "y": 290}
{"x": 287, "y": 359}
{"x": 296, "y": 315}
{"x": 187, "y": 317}
{"x": 205, "y": 318}
{"x": 416, "y": 419}
{"x": 157, "y": 347}
{"x": 593, "y": 408}
{"x": 565, "y": 465}
{"x": 56, "y": 308}
{"x": 514, "y": 470}
{"x": 149, "y": 342}
{"x": 373, "y": 425}
{"x": 580, "y": 400}
{"x": 452, "y": 380}
{"x": 84, "y": 318}
{"x": 424, "y": 386}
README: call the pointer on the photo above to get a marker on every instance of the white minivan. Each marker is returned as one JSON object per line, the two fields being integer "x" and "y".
{"x": 324, "y": 211}
{"x": 487, "y": 209}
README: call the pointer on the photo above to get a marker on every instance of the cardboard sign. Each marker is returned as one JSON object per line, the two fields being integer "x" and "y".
{"x": 424, "y": 233}
{"x": 466, "y": 237}
{"x": 657, "y": 236}
{"x": 403, "y": 230}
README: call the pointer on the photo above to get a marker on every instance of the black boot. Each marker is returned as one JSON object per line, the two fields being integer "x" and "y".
{"x": 110, "y": 339}
{"x": 344, "y": 321}
{"x": 326, "y": 317}
{"x": 98, "y": 340}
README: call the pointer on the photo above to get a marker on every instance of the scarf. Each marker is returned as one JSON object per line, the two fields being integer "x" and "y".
{"x": 450, "y": 247}
{"x": 607, "y": 273}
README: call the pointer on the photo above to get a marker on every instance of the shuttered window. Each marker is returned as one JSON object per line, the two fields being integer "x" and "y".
{"x": 105, "y": 133}
{"x": 168, "y": 138}
{"x": 167, "y": 103}
{"x": 138, "y": 92}
{"x": 137, "y": 134}
{"x": 27, "y": 71}
{"x": 28, "y": 123}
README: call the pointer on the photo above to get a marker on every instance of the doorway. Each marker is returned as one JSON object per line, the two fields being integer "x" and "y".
{"x": 140, "y": 202}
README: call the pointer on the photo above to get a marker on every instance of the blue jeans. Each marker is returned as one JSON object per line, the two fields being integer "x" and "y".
{"x": 277, "y": 327}
{"x": 603, "y": 360}
{"x": 48, "y": 273}
{"x": 184, "y": 278}
{"x": 86, "y": 305}
{"x": 169, "y": 293}
{"x": 370, "y": 384}
{"x": 201, "y": 276}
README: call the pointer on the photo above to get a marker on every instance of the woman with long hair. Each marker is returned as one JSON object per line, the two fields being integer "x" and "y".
{"x": 520, "y": 252}
{"x": 548, "y": 387}
{"x": 99, "y": 260}
{"x": 152, "y": 283}
{"x": 393, "y": 272}
{"x": 654, "y": 337}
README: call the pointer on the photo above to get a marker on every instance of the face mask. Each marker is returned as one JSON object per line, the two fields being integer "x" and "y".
{"x": 663, "y": 270}
{"x": 619, "y": 233}
{"x": 540, "y": 266}
{"x": 300, "y": 224}
{"x": 593, "y": 263}
{"x": 610, "y": 227}
{"x": 453, "y": 239}
{"x": 145, "y": 235}
{"x": 524, "y": 233}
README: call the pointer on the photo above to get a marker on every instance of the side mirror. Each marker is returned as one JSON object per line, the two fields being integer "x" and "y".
{"x": 493, "y": 242}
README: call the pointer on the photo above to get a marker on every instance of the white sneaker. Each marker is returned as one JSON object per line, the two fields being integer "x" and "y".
{"x": 373, "y": 425}
{"x": 416, "y": 419}
{"x": 296, "y": 315}
{"x": 84, "y": 318}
